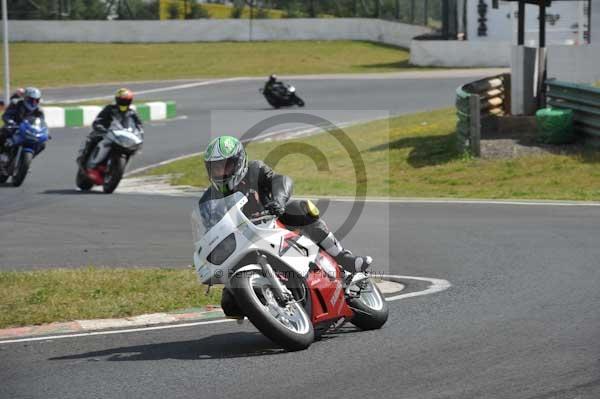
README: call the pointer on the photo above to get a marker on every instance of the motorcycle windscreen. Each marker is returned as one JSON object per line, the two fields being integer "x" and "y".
{"x": 206, "y": 215}
{"x": 36, "y": 122}
{"x": 123, "y": 123}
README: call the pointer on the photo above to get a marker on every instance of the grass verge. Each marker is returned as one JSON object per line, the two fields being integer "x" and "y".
{"x": 86, "y": 63}
{"x": 415, "y": 156}
{"x": 44, "y": 296}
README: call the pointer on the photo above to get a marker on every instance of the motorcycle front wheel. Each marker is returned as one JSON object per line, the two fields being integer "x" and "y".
{"x": 114, "y": 173}
{"x": 299, "y": 101}
{"x": 22, "y": 168}
{"x": 82, "y": 181}
{"x": 370, "y": 308}
{"x": 289, "y": 326}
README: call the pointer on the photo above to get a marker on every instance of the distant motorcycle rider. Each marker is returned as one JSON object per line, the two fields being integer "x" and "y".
{"x": 23, "y": 105}
{"x": 272, "y": 83}
{"x": 17, "y": 95}
{"x": 121, "y": 111}
{"x": 14, "y": 98}
{"x": 19, "y": 110}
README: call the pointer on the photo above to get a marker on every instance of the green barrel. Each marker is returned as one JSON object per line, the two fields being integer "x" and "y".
{"x": 555, "y": 126}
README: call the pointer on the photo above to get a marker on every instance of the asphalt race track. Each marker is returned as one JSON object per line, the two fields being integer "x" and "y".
{"x": 521, "y": 319}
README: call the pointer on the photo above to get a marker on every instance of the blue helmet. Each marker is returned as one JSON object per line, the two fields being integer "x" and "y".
{"x": 32, "y": 98}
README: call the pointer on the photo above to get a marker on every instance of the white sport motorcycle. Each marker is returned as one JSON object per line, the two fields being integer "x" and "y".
{"x": 288, "y": 287}
{"x": 106, "y": 164}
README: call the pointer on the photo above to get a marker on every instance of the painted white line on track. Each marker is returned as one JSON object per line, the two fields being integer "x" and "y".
{"x": 155, "y": 165}
{"x": 456, "y": 201}
{"x": 150, "y": 91}
{"x": 437, "y": 285}
{"x": 298, "y": 131}
{"x": 87, "y": 334}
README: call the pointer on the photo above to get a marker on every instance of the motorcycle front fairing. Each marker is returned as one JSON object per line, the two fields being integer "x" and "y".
{"x": 217, "y": 221}
{"x": 31, "y": 135}
{"x": 126, "y": 141}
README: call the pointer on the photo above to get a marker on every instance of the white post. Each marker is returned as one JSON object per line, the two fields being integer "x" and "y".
{"x": 581, "y": 24}
{"x": 6, "y": 63}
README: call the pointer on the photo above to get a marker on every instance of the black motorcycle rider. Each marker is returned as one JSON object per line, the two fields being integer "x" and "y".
{"x": 272, "y": 84}
{"x": 19, "y": 110}
{"x": 121, "y": 110}
{"x": 230, "y": 171}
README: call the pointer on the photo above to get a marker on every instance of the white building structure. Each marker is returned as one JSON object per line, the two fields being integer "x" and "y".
{"x": 566, "y": 22}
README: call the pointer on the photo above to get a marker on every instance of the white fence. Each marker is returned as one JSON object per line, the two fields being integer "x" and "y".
{"x": 373, "y": 30}
{"x": 569, "y": 63}
{"x": 454, "y": 53}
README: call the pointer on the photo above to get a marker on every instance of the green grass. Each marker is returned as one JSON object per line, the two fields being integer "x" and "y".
{"x": 415, "y": 156}
{"x": 77, "y": 63}
{"x": 36, "y": 297}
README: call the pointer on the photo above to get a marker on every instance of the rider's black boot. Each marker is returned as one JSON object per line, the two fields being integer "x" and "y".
{"x": 85, "y": 153}
{"x": 353, "y": 264}
{"x": 350, "y": 263}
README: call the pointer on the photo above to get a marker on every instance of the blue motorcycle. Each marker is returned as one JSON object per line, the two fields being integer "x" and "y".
{"x": 24, "y": 145}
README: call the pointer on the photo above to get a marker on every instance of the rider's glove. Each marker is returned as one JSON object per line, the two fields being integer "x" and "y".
{"x": 275, "y": 208}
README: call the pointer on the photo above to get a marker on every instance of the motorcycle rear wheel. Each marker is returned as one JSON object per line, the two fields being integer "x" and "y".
{"x": 370, "y": 309}
{"x": 22, "y": 169}
{"x": 289, "y": 327}
{"x": 114, "y": 173}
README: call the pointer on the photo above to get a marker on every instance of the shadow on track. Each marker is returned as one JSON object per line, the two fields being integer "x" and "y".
{"x": 72, "y": 191}
{"x": 223, "y": 346}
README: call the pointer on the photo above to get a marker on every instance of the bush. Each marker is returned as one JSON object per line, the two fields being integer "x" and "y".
{"x": 198, "y": 11}
{"x": 173, "y": 11}
{"x": 261, "y": 13}
{"x": 237, "y": 11}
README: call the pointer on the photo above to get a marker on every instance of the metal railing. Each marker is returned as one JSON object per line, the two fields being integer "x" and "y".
{"x": 476, "y": 104}
{"x": 584, "y": 101}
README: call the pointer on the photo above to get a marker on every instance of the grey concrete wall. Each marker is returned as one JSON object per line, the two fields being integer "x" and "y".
{"x": 577, "y": 64}
{"x": 449, "y": 53}
{"x": 215, "y": 30}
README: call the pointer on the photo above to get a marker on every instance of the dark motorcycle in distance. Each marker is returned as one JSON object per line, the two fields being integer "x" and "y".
{"x": 106, "y": 164}
{"x": 281, "y": 95}
{"x": 27, "y": 142}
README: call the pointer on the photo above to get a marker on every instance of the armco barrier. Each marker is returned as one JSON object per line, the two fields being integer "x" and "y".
{"x": 84, "y": 115}
{"x": 476, "y": 104}
{"x": 584, "y": 101}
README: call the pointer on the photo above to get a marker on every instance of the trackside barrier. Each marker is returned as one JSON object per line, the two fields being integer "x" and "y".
{"x": 584, "y": 101}
{"x": 477, "y": 103}
{"x": 84, "y": 115}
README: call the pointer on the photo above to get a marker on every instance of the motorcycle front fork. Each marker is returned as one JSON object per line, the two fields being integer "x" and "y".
{"x": 282, "y": 293}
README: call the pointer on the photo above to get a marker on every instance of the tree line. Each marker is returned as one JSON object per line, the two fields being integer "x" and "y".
{"x": 411, "y": 11}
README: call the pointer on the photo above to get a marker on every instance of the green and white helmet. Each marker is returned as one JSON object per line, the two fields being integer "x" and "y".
{"x": 226, "y": 163}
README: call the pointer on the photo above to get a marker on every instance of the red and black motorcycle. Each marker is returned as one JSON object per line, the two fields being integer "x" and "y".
{"x": 288, "y": 287}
